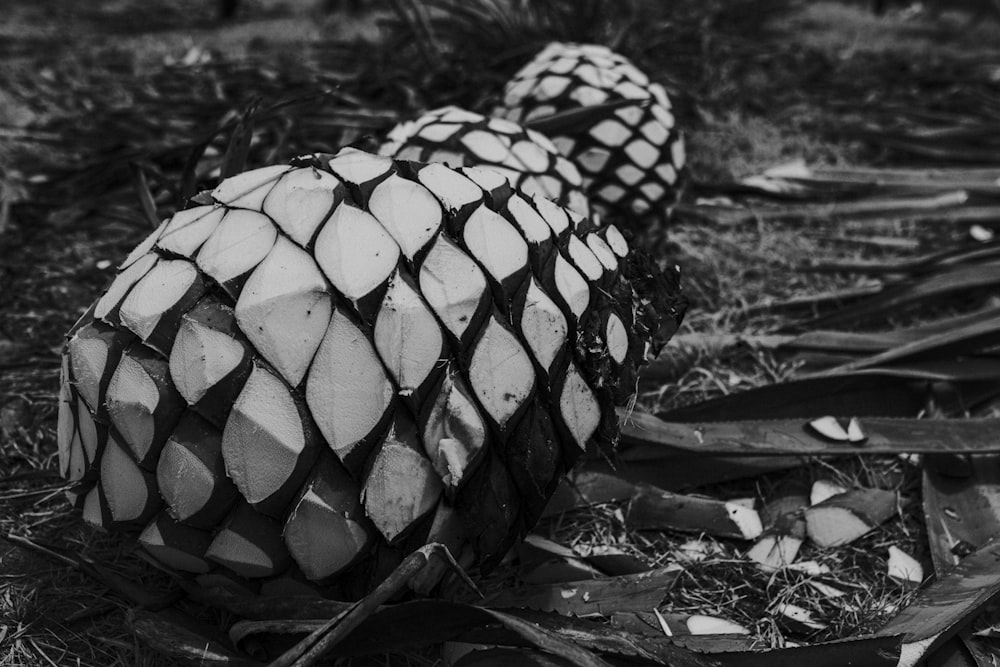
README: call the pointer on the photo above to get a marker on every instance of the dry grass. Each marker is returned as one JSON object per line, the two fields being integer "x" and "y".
{"x": 84, "y": 84}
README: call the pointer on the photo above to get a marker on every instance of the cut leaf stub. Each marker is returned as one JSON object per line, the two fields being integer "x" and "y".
{"x": 631, "y": 155}
{"x": 460, "y": 138}
{"x": 302, "y": 378}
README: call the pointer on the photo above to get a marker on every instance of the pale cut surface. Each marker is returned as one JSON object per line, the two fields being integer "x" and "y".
{"x": 495, "y": 243}
{"x": 88, "y": 359}
{"x": 189, "y": 229}
{"x": 455, "y": 432}
{"x": 156, "y": 293}
{"x": 125, "y": 486}
{"x": 301, "y": 201}
{"x": 543, "y": 325}
{"x": 355, "y": 252}
{"x": 453, "y": 285}
{"x": 284, "y": 309}
{"x": 573, "y": 288}
{"x": 579, "y": 408}
{"x": 327, "y": 530}
{"x": 248, "y": 189}
{"x": 402, "y": 487}
{"x": 201, "y": 358}
{"x": 500, "y": 372}
{"x": 185, "y": 482}
{"x": 348, "y": 390}
{"x": 122, "y": 284}
{"x": 407, "y": 211}
{"x": 263, "y": 438}
{"x": 133, "y": 396}
{"x": 407, "y": 336}
{"x": 238, "y": 244}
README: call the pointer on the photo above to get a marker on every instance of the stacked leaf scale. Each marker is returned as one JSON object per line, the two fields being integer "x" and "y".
{"x": 331, "y": 363}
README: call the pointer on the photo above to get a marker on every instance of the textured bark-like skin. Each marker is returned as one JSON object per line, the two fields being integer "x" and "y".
{"x": 631, "y": 157}
{"x": 491, "y": 484}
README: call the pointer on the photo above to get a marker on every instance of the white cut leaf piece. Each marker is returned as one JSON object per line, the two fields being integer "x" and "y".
{"x": 772, "y": 552}
{"x": 284, "y": 309}
{"x": 579, "y": 408}
{"x": 553, "y": 214}
{"x": 793, "y": 169}
{"x": 810, "y": 567}
{"x": 248, "y": 189}
{"x": 88, "y": 431}
{"x": 830, "y": 428}
{"x": 584, "y": 259}
{"x": 572, "y": 287}
{"x": 530, "y": 222}
{"x": 485, "y": 177}
{"x": 904, "y": 568}
{"x": 355, "y": 252}
{"x": 745, "y": 518}
{"x": 189, "y": 229}
{"x": 156, "y": 293}
{"x": 855, "y": 433}
{"x": 827, "y": 590}
{"x": 122, "y": 283}
{"x": 543, "y": 325}
{"x": 617, "y": 242}
{"x": 123, "y": 483}
{"x": 357, "y": 167}
{"x": 439, "y": 132}
{"x": 526, "y": 156}
{"x": 407, "y": 336}
{"x": 263, "y": 438}
{"x": 677, "y": 155}
{"x": 823, "y": 489}
{"x": 981, "y": 234}
{"x": 132, "y": 399}
{"x": 451, "y": 188}
{"x": 616, "y": 338}
{"x": 453, "y": 285}
{"x": 401, "y": 487}
{"x": 348, "y": 390}
{"x": 177, "y": 463}
{"x": 301, "y": 201}
{"x": 800, "y": 615}
{"x": 92, "y": 514}
{"x": 486, "y": 146}
{"x": 699, "y": 624}
{"x": 201, "y": 357}
{"x": 602, "y": 251}
{"x": 495, "y": 243}
{"x": 453, "y": 114}
{"x": 408, "y": 211}
{"x": 144, "y": 247}
{"x": 455, "y": 432}
{"x": 238, "y": 244}
{"x": 500, "y": 372}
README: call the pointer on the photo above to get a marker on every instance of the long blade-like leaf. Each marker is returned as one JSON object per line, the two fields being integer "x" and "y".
{"x": 795, "y": 437}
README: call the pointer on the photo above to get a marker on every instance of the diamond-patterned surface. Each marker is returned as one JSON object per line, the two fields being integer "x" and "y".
{"x": 354, "y": 346}
{"x": 461, "y": 138}
{"x": 630, "y": 160}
